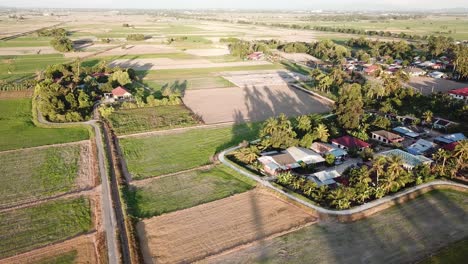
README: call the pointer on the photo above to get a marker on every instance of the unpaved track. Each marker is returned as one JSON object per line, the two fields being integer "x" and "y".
{"x": 209, "y": 229}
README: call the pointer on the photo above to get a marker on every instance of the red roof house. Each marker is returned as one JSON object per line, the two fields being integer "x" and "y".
{"x": 120, "y": 92}
{"x": 451, "y": 146}
{"x": 256, "y": 56}
{"x": 371, "y": 69}
{"x": 461, "y": 93}
{"x": 349, "y": 142}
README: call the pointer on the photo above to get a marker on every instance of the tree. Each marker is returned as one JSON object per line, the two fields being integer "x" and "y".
{"x": 62, "y": 44}
{"x": 330, "y": 159}
{"x": 303, "y": 123}
{"x": 461, "y": 154}
{"x": 121, "y": 77}
{"x": 278, "y": 133}
{"x": 247, "y": 155}
{"x": 349, "y": 107}
{"x": 378, "y": 167}
{"x": 321, "y": 132}
{"x": 441, "y": 157}
{"x": 341, "y": 197}
{"x": 427, "y": 116}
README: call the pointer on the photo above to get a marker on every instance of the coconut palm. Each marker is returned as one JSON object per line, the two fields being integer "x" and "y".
{"x": 321, "y": 132}
{"x": 441, "y": 157}
{"x": 461, "y": 154}
{"x": 341, "y": 197}
{"x": 427, "y": 116}
{"x": 248, "y": 154}
{"x": 378, "y": 166}
{"x": 269, "y": 126}
{"x": 303, "y": 123}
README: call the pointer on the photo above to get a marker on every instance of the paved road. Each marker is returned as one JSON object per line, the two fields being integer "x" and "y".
{"x": 319, "y": 209}
{"x": 108, "y": 213}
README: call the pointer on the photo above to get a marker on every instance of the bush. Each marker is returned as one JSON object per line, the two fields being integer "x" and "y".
{"x": 136, "y": 37}
{"x": 62, "y": 44}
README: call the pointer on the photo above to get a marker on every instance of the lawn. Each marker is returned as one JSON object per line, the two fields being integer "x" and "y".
{"x": 453, "y": 254}
{"x": 28, "y": 228}
{"x": 18, "y": 130}
{"x": 185, "y": 190}
{"x": 37, "y": 173}
{"x": 405, "y": 233}
{"x": 133, "y": 121}
{"x": 162, "y": 154}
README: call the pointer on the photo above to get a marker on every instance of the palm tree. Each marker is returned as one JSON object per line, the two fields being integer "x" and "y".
{"x": 341, "y": 197}
{"x": 247, "y": 155}
{"x": 441, "y": 157}
{"x": 427, "y": 116}
{"x": 378, "y": 166}
{"x": 269, "y": 126}
{"x": 321, "y": 131}
{"x": 303, "y": 123}
{"x": 461, "y": 153}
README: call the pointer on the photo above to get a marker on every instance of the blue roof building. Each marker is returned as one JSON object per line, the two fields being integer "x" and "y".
{"x": 409, "y": 160}
{"x": 447, "y": 139}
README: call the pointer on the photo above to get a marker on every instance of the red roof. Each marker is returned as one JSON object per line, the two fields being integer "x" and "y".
{"x": 451, "y": 146}
{"x": 461, "y": 91}
{"x": 371, "y": 68}
{"x": 120, "y": 91}
{"x": 351, "y": 142}
{"x": 99, "y": 74}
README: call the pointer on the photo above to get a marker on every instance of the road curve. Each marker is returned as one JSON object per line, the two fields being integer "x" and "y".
{"x": 108, "y": 213}
{"x": 330, "y": 212}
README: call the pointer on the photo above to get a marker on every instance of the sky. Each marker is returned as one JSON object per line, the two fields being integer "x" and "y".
{"x": 242, "y": 4}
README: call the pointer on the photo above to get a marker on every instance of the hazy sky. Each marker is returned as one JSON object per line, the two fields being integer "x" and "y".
{"x": 242, "y": 4}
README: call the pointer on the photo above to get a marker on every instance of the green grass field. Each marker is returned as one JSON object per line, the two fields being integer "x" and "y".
{"x": 38, "y": 173}
{"x": 133, "y": 121}
{"x": 27, "y": 64}
{"x": 24, "y": 229}
{"x": 64, "y": 258}
{"x": 405, "y": 233}
{"x": 185, "y": 190}
{"x": 18, "y": 130}
{"x": 190, "y": 84}
{"x": 162, "y": 154}
{"x": 26, "y": 41}
{"x": 453, "y": 254}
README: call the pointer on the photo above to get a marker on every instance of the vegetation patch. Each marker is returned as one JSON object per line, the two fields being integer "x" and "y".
{"x": 18, "y": 130}
{"x": 185, "y": 190}
{"x": 64, "y": 258}
{"x": 130, "y": 121}
{"x": 38, "y": 173}
{"x": 162, "y": 154}
{"x": 28, "y": 228}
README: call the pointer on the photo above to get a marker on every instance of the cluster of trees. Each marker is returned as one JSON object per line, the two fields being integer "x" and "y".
{"x": 395, "y": 49}
{"x": 136, "y": 37}
{"x": 55, "y": 32}
{"x": 327, "y": 50}
{"x": 62, "y": 44}
{"x": 389, "y": 34}
{"x": 242, "y": 48}
{"x": 329, "y": 82}
{"x": 386, "y": 175}
{"x": 67, "y": 92}
{"x": 17, "y": 86}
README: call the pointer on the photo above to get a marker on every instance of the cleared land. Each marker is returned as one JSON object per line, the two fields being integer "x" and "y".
{"x": 402, "y": 234}
{"x": 251, "y": 103}
{"x": 18, "y": 130}
{"x": 208, "y": 82}
{"x": 36, "y": 173}
{"x": 162, "y": 154}
{"x": 170, "y": 64}
{"x": 151, "y": 118}
{"x": 28, "y": 228}
{"x": 201, "y": 231}
{"x": 426, "y": 85}
{"x": 184, "y": 190}
{"x": 76, "y": 250}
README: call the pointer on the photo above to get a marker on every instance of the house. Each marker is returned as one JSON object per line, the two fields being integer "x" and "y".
{"x": 437, "y": 75}
{"x": 386, "y": 137}
{"x": 278, "y": 162}
{"x": 426, "y": 64}
{"x": 406, "y": 132}
{"x": 324, "y": 177}
{"x": 421, "y": 147}
{"x": 451, "y": 146}
{"x": 416, "y": 129}
{"x": 305, "y": 155}
{"x": 445, "y": 124}
{"x": 406, "y": 120}
{"x": 409, "y": 160}
{"x": 256, "y": 56}
{"x": 349, "y": 142}
{"x": 119, "y": 93}
{"x": 325, "y": 149}
{"x": 448, "y": 139}
{"x": 369, "y": 70}
{"x": 415, "y": 71}
{"x": 461, "y": 94}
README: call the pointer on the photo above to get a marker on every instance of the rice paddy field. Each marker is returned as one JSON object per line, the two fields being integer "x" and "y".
{"x": 19, "y": 131}
{"x": 162, "y": 154}
{"x": 32, "y": 174}
{"x": 138, "y": 120}
{"x": 27, "y": 65}
{"x": 184, "y": 190}
{"x": 28, "y": 228}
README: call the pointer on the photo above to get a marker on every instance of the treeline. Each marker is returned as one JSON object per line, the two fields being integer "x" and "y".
{"x": 136, "y": 37}
{"x": 242, "y": 48}
{"x": 325, "y": 50}
{"x": 359, "y": 17}
{"x": 55, "y": 32}
{"x": 380, "y": 33}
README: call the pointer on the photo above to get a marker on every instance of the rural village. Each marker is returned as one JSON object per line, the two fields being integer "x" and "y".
{"x": 150, "y": 136}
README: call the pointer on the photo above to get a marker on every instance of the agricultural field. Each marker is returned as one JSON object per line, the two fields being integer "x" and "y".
{"x": 404, "y": 233}
{"x": 28, "y": 228}
{"x": 36, "y": 173}
{"x": 28, "y": 64}
{"x": 19, "y": 131}
{"x": 193, "y": 234}
{"x": 138, "y": 120}
{"x": 187, "y": 189}
{"x": 162, "y": 154}
{"x": 208, "y": 82}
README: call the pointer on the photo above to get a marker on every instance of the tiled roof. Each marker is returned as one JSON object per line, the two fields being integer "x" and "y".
{"x": 351, "y": 142}
{"x": 387, "y": 135}
{"x": 461, "y": 91}
{"x": 120, "y": 91}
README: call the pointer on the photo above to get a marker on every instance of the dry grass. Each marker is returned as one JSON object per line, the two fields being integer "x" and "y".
{"x": 193, "y": 234}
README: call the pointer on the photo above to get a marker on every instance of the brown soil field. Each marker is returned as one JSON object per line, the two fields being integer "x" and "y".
{"x": 251, "y": 103}
{"x": 208, "y": 52}
{"x": 224, "y": 225}
{"x": 263, "y": 78}
{"x": 83, "y": 245}
{"x": 27, "y": 51}
{"x": 169, "y": 64}
{"x": 426, "y": 84}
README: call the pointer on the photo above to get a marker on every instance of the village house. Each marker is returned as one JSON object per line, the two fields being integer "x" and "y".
{"x": 304, "y": 155}
{"x": 448, "y": 139}
{"x": 461, "y": 94}
{"x": 386, "y": 137}
{"x": 406, "y": 132}
{"x": 119, "y": 93}
{"x": 349, "y": 142}
{"x": 437, "y": 75}
{"x": 440, "y": 123}
{"x": 415, "y": 71}
{"x": 324, "y": 177}
{"x": 421, "y": 147}
{"x": 409, "y": 160}
{"x": 371, "y": 69}
{"x": 255, "y": 56}
{"x": 277, "y": 163}
{"x": 325, "y": 149}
